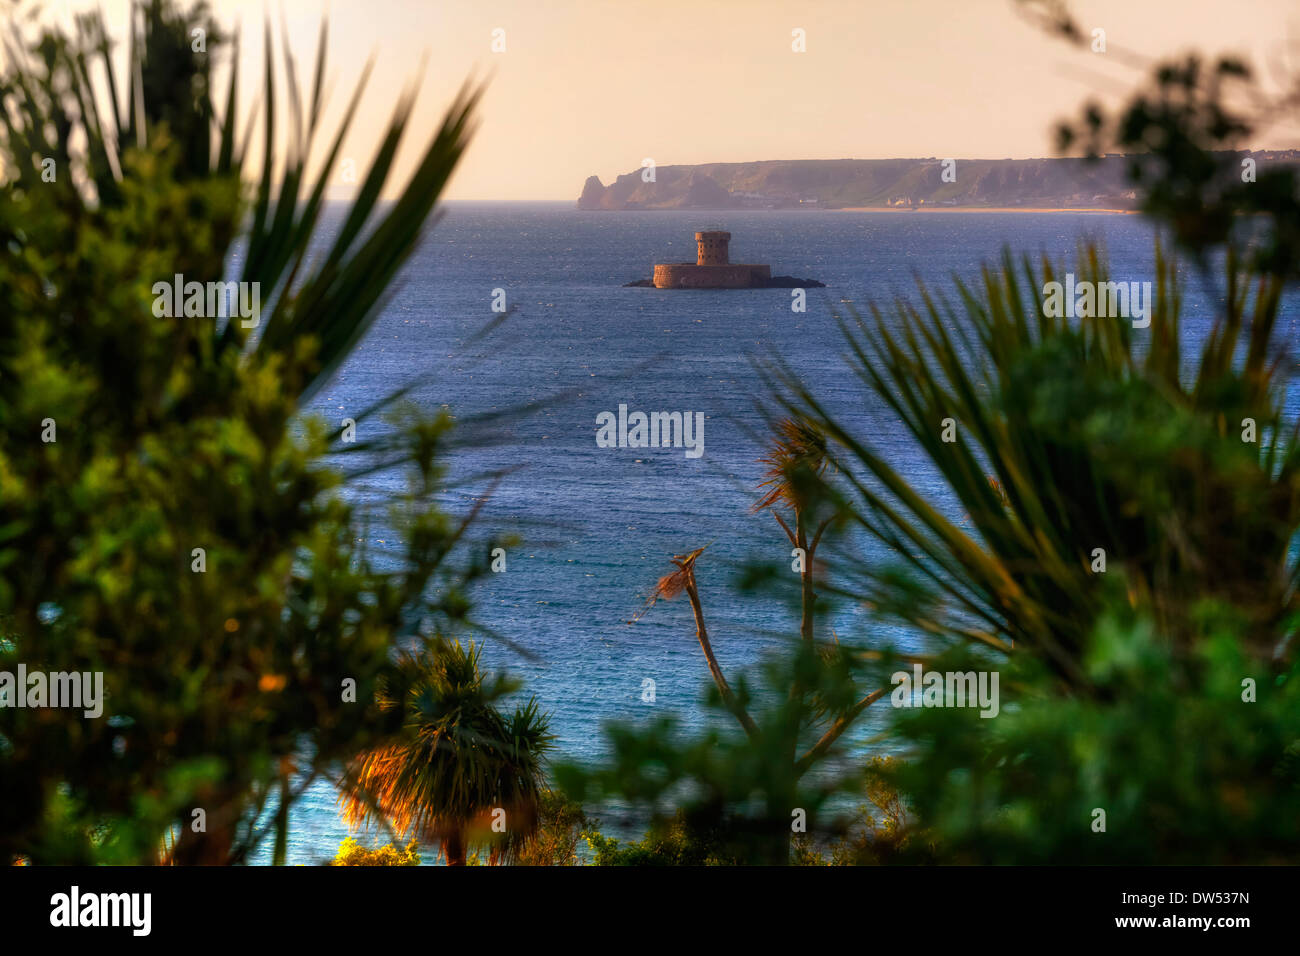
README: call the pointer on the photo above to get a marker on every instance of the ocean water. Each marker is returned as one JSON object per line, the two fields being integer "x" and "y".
{"x": 600, "y": 524}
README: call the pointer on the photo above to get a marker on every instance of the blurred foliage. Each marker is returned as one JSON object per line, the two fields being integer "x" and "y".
{"x": 229, "y": 689}
{"x": 721, "y": 797}
{"x": 674, "y": 842}
{"x": 1183, "y": 132}
{"x": 351, "y": 853}
{"x": 1190, "y": 764}
{"x": 459, "y": 761}
{"x": 1121, "y": 684}
{"x": 881, "y": 831}
{"x": 561, "y": 824}
{"x": 1180, "y": 468}
{"x": 877, "y": 832}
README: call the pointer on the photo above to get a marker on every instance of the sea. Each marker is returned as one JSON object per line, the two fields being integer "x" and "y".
{"x": 598, "y": 526}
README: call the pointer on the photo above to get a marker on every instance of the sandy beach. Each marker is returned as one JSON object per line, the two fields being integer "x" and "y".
{"x": 1036, "y": 209}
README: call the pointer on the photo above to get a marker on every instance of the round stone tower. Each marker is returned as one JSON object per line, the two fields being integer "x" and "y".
{"x": 712, "y": 248}
{"x": 712, "y": 268}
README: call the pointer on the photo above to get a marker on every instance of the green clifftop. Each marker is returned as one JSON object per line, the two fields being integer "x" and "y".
{"x": 840, "y": 183}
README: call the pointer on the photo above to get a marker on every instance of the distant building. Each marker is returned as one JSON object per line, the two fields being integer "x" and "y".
{"x": 712, "y": 268}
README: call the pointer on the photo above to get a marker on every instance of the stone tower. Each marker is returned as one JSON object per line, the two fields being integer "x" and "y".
{"x": 712, "y": 246}
{"x": 712, "y": 268}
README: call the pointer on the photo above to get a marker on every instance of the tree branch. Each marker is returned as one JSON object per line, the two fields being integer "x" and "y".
{"x": 818, "y": 536}
{"x": 728, "y": 698}
{"x": 818, "y": 750}
{"x": 785, "y": 527}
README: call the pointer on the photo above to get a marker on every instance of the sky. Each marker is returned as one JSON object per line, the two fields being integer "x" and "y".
{"x": 587, "y": 87}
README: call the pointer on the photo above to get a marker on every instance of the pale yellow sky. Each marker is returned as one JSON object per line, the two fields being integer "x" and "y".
{"x": 596, "y": 86}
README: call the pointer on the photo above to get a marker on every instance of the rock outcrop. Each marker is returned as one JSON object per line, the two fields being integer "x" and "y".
{"x": 593, "y": 191}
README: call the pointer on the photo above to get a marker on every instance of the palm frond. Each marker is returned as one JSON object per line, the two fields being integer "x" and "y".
{"x": 1074, "y": 420}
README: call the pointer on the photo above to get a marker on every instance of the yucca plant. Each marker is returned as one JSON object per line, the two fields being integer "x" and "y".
{"x": 170, "y": 517}
{"x": 166, "y": 100}
{"x": 460, "y": 765}
{"x": 1126, "y": 561}
{"x": 1079, "y": 448}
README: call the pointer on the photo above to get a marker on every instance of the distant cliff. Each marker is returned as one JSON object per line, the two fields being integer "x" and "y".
{"x": 840, "y": 183}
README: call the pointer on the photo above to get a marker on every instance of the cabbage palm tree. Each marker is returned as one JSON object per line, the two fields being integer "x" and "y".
{"x": 795, "y": 490}
{"x": 820, "y": 699}
{"x": 460, "y": 765}
{"x": 116, "y": 172}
